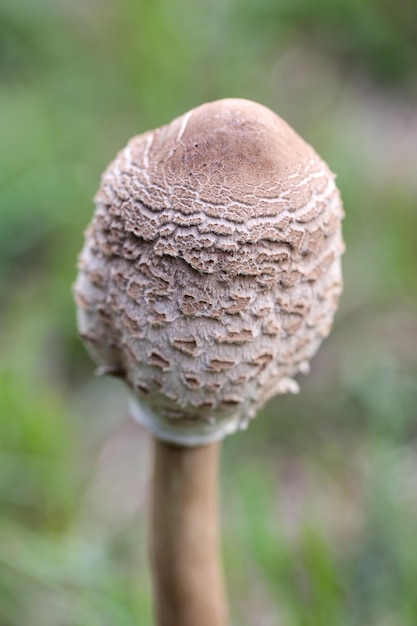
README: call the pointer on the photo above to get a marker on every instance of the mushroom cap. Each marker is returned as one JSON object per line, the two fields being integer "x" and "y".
{"x": 211, "y": 269}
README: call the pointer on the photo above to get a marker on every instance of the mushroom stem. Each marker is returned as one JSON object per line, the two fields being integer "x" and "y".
{"x": 187, "y": 576}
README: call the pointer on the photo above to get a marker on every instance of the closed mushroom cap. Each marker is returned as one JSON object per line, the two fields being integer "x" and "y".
{"x": 211, "y": 270}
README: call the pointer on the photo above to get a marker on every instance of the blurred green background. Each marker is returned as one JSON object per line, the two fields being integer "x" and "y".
{"x": 320, "y": 494}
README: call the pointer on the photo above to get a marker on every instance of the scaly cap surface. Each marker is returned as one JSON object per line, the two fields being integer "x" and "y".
{"x": 211, "y": 270}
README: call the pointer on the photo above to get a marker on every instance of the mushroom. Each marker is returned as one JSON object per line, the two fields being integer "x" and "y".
{"x": 209, "y": 277}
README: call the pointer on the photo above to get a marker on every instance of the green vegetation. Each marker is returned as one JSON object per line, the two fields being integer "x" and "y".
{"x": 320, "y": 494}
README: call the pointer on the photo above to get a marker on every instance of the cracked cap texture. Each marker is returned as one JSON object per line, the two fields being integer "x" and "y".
{"x": 211, "y": 269}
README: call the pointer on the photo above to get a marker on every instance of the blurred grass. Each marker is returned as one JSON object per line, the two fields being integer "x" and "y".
{"x": 319, "y": 496}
